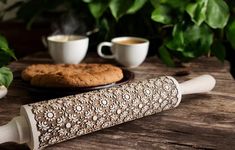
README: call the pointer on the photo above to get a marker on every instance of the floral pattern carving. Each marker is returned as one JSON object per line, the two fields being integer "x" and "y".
{"x": 67, "y": 117}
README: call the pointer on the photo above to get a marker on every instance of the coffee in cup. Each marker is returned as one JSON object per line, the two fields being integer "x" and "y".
{"x": 128, "y": 51}
{"x": 131, "y": 41}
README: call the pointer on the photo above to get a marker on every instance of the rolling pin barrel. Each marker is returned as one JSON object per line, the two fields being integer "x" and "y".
{"x": 49, "y": 122}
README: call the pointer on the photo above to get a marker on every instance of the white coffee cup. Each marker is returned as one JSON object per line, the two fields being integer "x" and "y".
{"x": 67, "y": 49}
{"x": 128, "y": 51}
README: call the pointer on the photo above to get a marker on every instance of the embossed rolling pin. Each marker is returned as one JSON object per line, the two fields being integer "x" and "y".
{"x": 49, "y": 122}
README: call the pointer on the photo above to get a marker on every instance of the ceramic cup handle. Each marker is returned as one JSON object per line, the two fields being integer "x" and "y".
{"x": 101, "y": 54}
{"x": 44, "y": 41}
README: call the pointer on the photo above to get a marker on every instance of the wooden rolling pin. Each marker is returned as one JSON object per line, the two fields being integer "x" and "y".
{"x": 49, "y": 122}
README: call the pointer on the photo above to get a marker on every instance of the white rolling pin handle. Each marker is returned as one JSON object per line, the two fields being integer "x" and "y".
{"x": 201, "y": 84}
{"x": 15, "y": 131}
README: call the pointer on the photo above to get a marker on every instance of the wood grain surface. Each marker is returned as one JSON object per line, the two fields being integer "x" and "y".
{"x": 201, "y": 121}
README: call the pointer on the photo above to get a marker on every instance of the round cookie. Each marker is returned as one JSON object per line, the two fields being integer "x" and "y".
{"x": 72, "y": 75}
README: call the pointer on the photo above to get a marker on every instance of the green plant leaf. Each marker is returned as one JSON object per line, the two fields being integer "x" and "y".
{"x": 105, "y": 30}
{"x": 161, "y": 14}
{"x": 191, "y": 42}
{"x": 198, "y": 40}
{"x": 4, "y": 47}
{"x": 165, "y": 56}
{"x": 3, "y": 42}
{"x": 197, "y": 11}
{"x": 88, "y": 1}
{"x": 218, "y": 50}
{"x": 175, "y": 4}
{"x": 177, "y": 43}
{"x": 120, "y": 7}
{"x": 230, "y": 33}
{"x": 217, "y": 13}
{"x": 138, "y": 4}
{"x": 97, "y": 8}
{"x": 6, "y": 76}
{"x": 155, "y": 3}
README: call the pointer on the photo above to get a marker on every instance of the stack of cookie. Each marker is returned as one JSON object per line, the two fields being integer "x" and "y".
{"x": 71, "y": 75}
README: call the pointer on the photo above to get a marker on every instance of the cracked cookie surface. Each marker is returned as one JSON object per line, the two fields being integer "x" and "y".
{"x": 71, "y": 75}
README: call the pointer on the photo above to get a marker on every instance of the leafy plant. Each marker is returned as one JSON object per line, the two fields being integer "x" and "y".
{"x": 177, "y": 29}
{"x": 195, "y": 27}
{"x": 6, "y": 53}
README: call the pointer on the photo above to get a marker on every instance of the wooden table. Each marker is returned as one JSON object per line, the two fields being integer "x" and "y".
{"x": 201, "y": 121}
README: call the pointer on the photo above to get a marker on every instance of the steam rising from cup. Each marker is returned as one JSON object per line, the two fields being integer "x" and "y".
{"x": 69, "y": 25}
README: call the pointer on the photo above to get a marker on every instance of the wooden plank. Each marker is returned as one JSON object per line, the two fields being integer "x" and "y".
{"x": 201, "y": 121}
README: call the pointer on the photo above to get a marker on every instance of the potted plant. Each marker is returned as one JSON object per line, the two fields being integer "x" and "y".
{"x": 178, "y": 30}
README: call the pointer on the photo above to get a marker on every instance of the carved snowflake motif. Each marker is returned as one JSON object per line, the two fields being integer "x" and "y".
{"x": 56, "y": 106}
{"x": 104, "y": 102}
{"x": 167, "y": 107}
{"x": 174, "y": 92}
{"x": 43, "y": 126}
{"x": 167, "y": 87}
{"x": 145, "y": 108}
{"x": 74, "y": 129}
{"x": 149, "y": 112}
{"x": 124, "y": 114}
{"x": 136, "y": 102}
{"x": 108, "y": 95}
{"x": 53, "y": 140}
{"x": 106, "y": 124}
{"x": 90, "y": 124}
{"x": 126, "y": 97}
{"x": 147, "y": 92}
{"x": 156, "y": 96}
{"x": 114, "y": 118}
{"x": 45, "y": 137}
{"x": 113, "y": 107}
{"x": 94, "y": 97}
{"x": 164, "y": 103}
{"x": 158, "y": 83}
{"x": 78, "y": 108}
{"x": 100, "y": 121}
{"x": 99, "y": 111}
{"x": 61, "y": 121}
{"x": 132, "y": 89}
{"x": 50, "y": 115}
{"x": 128, "y": 118}
{"x": 39, "y": 110}
{"x": 73, "y": 118}
{"x": 68, "y": 103}
{"x": 150, "y": 84}
{"x": 167, "y": 80}
{"x": 174, "y": 100}
{"x": 118, "y": 92}
{"x": 138, "y": 87}
{"x": 88, "y": 113}
{"x": 163, "y": 94}
{"x": 62, "y": 132}
{"x": 156, "y": 106}
{"x": 136, "y": 111}
{"x": 123, "y": 105}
